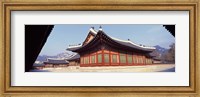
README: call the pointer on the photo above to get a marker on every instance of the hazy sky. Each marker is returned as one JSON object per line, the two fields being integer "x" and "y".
{"x": 64, "y": 35}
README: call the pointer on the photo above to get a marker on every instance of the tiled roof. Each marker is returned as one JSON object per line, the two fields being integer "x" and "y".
{"x": 74, "y": 57}
{"x": 56, "y": 61}
{"x": 122, "y": 42}
{"x": 37, "y": 65}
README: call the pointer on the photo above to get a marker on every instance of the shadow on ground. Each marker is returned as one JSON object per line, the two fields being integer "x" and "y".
{"x": 168, "y": 70}
{"x": 39, "y": 70}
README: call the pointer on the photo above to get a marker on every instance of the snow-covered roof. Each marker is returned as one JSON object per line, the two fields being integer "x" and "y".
{"x": 116, "y": 39}
{"x": 74, "y": 46}
{"x": 100, "y": 28}
{"x": 128, "y": 41}
{"x": 73, "y": 56}
{"x": 92, "y": 30}
{"x": 56, "y": 61}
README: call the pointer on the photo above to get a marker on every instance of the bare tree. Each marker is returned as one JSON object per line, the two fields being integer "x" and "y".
{"x": 169, "y": 56}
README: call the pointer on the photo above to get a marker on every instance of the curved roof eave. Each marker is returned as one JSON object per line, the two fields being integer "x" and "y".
{"x": 122, "y": 42}
{"x": 131, "y": 44}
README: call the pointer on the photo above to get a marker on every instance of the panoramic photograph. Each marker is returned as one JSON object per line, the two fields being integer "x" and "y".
{"x": 100, "y": 48}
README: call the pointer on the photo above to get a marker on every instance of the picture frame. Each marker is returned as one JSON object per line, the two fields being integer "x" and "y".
{"x": 125, "y": 91}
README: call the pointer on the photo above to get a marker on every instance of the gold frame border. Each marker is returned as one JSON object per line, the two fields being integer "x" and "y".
{"x": 118, "y": 5}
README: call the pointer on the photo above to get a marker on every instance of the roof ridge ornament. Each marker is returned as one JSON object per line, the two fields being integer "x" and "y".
{"x": 100, "y": 28}
{"x": 92, "y": 30}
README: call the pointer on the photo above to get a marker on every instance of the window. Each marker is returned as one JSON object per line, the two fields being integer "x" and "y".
{"x": 137, "y": 61}
{"x": 114, "y": 58}
{"x": 82, "y": 62}
{"x": 144, "y": 60}
{"x": 99, "y": 58}
{"x": 130, "y": 59}
{"x": 147, "y": 61}
{"x": 134, "y": 59}
{"x": 141, "y": 60}
{"x": 106, "y": 58}
{"x": 93, "y": 59}
{"x": 150, "y": 62}
{"x": 86, "y": 60}
{"x": 122, "y": 58}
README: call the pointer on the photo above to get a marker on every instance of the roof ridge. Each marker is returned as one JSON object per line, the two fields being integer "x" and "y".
{"x": 75, "y": 46}
{"x": 55, "y": 58}
{"x": 72, "y": 55}
{"x": 92, "y": 30}
{"x": 128, "y": 41}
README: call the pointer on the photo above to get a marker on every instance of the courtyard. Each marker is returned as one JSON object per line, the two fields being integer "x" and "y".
{"x": 140, "y": 68}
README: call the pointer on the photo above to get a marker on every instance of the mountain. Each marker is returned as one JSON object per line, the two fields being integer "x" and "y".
{"x": 63, "y": 55}
{"x": 160, "y": 49}
{"x": 44, "y": 57}
{"x": 159, "y": 52}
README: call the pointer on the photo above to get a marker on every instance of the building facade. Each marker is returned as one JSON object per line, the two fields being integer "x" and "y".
{"x": 99, "y": 49}
{"x": 74, "y": 60}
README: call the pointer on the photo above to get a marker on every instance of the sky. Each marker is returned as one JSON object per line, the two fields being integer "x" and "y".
{"x": 64, "y": 35}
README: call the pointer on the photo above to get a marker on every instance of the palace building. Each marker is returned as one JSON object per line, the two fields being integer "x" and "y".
{"x": 51, "y": 62}
{"x": 74, "y": 60}
{"x": 99, "y": 49}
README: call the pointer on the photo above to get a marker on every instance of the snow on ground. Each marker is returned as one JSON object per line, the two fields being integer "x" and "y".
{"x": 145, "y": 68}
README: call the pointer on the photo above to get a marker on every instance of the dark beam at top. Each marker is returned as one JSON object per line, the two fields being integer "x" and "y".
{"x": 35, "y": 38}
{"x": 170, "y": 28}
